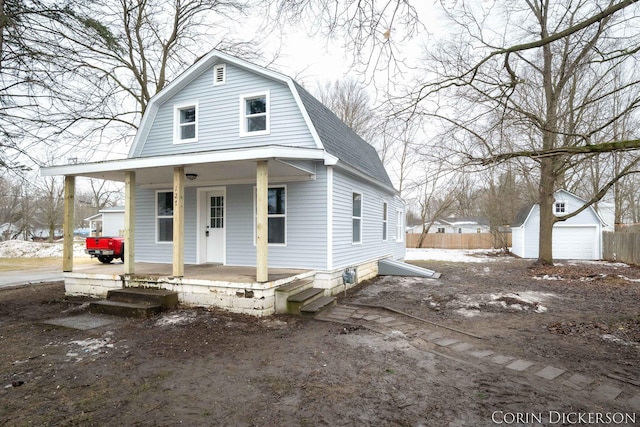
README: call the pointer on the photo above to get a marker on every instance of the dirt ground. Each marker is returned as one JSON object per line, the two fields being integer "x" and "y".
{"x": 202, "y": 367}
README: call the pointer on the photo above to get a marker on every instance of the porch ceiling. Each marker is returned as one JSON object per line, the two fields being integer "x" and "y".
{"x": 212, "y": 167}
{"x": 210, "y": 173}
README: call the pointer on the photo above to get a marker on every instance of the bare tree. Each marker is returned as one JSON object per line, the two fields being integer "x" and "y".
{"x": 517, "y": 81}
{"x": 434, "y": 191}
{"x": 49, "y": 205}
{"x": 119, "y": 53}
{"x": 350, "y": 101}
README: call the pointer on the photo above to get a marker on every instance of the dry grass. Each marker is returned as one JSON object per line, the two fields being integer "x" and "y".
{"x": 7, "y": 264}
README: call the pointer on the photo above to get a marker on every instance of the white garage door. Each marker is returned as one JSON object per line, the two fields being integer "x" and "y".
{"x": 574, "y": 242}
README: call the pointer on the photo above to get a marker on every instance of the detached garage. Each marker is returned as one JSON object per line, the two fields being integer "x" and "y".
{"x": 579, "y": 237}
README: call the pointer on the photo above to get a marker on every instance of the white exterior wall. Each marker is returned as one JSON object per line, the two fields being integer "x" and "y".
{"x": 345, "y": 252}
{"x": 579, "y": 237}
{"x": 113, "y": 223}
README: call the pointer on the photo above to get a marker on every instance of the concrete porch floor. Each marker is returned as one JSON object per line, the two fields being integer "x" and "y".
{"x": 212, "y": 272}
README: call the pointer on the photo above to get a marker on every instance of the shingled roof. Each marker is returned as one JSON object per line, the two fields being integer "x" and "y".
{"x": 341, "y": 141}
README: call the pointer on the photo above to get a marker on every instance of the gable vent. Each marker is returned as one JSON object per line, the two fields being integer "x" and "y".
{"x": 219, "y": 74}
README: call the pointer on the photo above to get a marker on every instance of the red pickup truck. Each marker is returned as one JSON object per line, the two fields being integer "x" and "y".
{"x": 105, "y": 248}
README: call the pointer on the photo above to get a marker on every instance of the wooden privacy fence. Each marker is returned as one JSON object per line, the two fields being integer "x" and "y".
{"x": 622, "y": 247}
{"x": 459, "y": 240}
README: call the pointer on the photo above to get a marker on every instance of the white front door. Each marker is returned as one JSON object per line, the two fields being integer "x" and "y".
{"x": 215, "y": 226}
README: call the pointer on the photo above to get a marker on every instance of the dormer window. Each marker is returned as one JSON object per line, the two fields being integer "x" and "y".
{"x": 560, "y": 207}
{"x": 219, "y": 74}
{"x": 185, "y": 119}
{"x": 254, "y": 114}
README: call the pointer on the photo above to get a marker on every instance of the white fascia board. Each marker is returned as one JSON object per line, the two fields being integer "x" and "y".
{"x": 305, "y": 114}
{"x": 258, "y": 153}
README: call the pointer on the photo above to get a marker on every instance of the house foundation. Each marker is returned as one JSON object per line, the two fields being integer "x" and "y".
{"x": 226, "y": 287}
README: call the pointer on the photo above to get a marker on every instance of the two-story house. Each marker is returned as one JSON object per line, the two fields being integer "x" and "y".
{"x": 237, "y": 165}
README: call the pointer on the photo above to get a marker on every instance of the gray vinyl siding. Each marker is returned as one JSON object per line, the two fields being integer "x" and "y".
{"x": 146, "y": 248}
{"x": 345, "y": 252}
{"x": 306, "y": 224}
{"x": 219, "y": 116}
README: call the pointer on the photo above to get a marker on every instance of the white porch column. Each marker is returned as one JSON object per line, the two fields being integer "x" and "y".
{"x": 67, "y": 224}
{"x": 178, "y": 221}
{"x": 262, "y": 223}
{"x": 129, "y": 221}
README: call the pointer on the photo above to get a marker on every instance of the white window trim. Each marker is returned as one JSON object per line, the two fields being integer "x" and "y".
{"x": 176, "y": 122}
{"x": 557, "y": 205}
{"x": 361, "y": 217}
{"x": 286, "y": 209}
{"x": 399, "y": 225}
{"x": 215, "y": 74}
{"x": 385, "y": 221}
{"x": 155, "y": 208}
{"x": 243, "y": 121}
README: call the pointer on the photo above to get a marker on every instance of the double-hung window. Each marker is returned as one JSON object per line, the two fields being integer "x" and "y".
{"x": 185, "y": 119}
{"x": 356, "y": 218}
{"x": 276, "y": 215}
{"x": 399, "y": 225}
{"x": 254, "y": 114}
{"x": 164, "y": 216}
{"x": 385, "y": 221}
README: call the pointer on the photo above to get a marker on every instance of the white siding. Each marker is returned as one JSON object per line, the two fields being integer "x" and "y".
{"x": 112, "y": 223}
{"x": 345, "y": 252}
{"x": 219, "y": 116}
{"x": 517, "y": 247}
{"x": 306, "y": 226}
{"x": 578, "y": 237}
{"x": 146, "y": 248}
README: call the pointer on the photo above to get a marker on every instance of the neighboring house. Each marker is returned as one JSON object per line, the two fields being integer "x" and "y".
{"x": 107, "y": 222}
{"x": 238, "y": 165}
{"x": 456, "y": 225}
{"x": 579, "y": 237}
{"x": 8, "y": 231}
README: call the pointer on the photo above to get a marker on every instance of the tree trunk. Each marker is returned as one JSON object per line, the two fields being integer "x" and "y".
{"x": 547, "y": 218}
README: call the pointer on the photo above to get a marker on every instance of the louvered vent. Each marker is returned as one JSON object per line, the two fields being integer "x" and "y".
{"x": 218, "y": 74}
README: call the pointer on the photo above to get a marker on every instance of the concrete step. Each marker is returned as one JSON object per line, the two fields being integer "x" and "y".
{"x": 283, "y": 293}
{"x": 164, "y": 298}
{"x": 125, "y": 309}
{"x": 135, "y": 302}
{"x": 293, "y": 287}
{"x": 318, "y": 305}
{"x": 297, "y": 301}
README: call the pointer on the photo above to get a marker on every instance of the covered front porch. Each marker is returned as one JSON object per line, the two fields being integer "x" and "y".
{"x": 232, "y": 288}
{"x": 205, "y": 170}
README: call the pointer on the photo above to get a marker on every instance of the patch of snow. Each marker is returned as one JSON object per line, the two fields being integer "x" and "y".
{"x": 592, "y": 262}
{"x": 395, "y": 335}
{"x": 90, "y": 346}
{"x": 24, "y": 249}
{"x": 472, "y": 305}
{"x": 176, "y": 319}
{"x": 274, "y": 323}
{"x": 453, "y": 255}
{"x": 628, "y": 279}
{"x": 614, "y": 339}
{"x": 547, "y": 277}
{"x": 466, "y": 312}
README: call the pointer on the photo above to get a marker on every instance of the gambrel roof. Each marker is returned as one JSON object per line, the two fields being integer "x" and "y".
{"x": 331, "y": 140}
{"x": 340, "y": 140}
{"x": 330, "y": 133}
